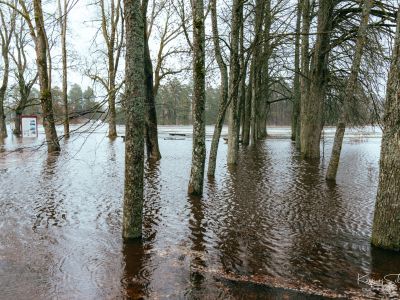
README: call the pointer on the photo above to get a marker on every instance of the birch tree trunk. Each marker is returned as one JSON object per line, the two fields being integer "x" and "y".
{"x": 313, "y": 108}
{"x": 198, "y": 101}
{"x": 386, "y": 225}
{"x": 44, "y": 80}
{"x": 223, "y": 94}
{"x": 349, "y": 92}
{"x": 135, "y": 110}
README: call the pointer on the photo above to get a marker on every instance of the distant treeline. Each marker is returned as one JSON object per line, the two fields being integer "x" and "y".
{"x": 173, "y": 105}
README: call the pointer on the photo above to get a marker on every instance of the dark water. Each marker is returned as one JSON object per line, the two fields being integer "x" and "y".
{"x": 269, "y": 229}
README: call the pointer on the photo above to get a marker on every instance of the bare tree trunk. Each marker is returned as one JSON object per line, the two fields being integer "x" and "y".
{"x": 44, "y": 81}
{"x": 296, "y": 80}
{"x": 262, "y": 104}
{"x": 386, "y": 225}
{"x": 242, "y": 77}
{"x": 254, "y": 97}
{"x": 264, "y": 78}
{"x": 3, "y": 89}
{"x": 312, "y": 115}
{"x": 198, "y": 102}
{"x": 21, "y": 106}
{"x": 112, "y": 125}
{"x": 242, "y": 87}
{"x": 242, "y": 94}
{"x": 305, "y": 64}
{"x": 3, "y": 128}
{"x": 24, "y": 86}
{"x": 153, "y": 150}
{"x": 223, "y": 93}
{"x": 257, "y": 70}
{"x": 234, "y": 80}
{"x": 247, "y": 109}
{"x": 17, "y": 124}
{"x": 135, "y": 110}
{"x": 63, "y": 12}
{"x": 113, "y": 54}
{"x": 349, "y": 92}
{"x": 5, "y": 35}
{"x": 24, "y": 92}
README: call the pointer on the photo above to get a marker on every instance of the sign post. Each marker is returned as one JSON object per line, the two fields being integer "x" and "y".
{"x": 29, "y": 126}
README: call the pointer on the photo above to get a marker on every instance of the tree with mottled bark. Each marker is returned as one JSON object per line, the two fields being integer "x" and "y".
{"x": 349, "y": 91}
{"x": 134, "y": 104}
{"x": 196, "y": 180}
{"x": 386, "y": 224}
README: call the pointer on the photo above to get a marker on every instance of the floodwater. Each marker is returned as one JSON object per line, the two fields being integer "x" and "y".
{"x": 271, "y": 228}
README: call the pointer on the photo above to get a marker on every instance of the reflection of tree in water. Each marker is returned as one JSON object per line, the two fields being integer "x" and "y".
{"x": 384, "y": 262}
{"x": 257, "y": 225}
{"x": 240, "y": 212}
{"x": 198, "y": 248}
{"x": 152, "y": 204}
{"x": 383, "y": 279}
{"x": 136, "y": 275}
{"x": 227, "y": 218}
{"x": 137, "y": 254}
{"x": 49, "y": 199}
{"x": 318, "y": 250}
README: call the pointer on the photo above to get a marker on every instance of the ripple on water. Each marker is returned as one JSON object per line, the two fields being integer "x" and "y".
{"x": 272, "y": 220}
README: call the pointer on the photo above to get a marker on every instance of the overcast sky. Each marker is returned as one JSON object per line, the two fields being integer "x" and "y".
{"x": 81, "y": 31}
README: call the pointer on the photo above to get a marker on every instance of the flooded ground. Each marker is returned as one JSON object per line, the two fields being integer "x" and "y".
{"x": 270, "y": 228}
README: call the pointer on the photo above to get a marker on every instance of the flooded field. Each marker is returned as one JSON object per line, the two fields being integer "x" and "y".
{"x": 269, "y": 228}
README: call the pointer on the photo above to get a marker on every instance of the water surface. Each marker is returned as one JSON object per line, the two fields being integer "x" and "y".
{"x": 269, "y": 228}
